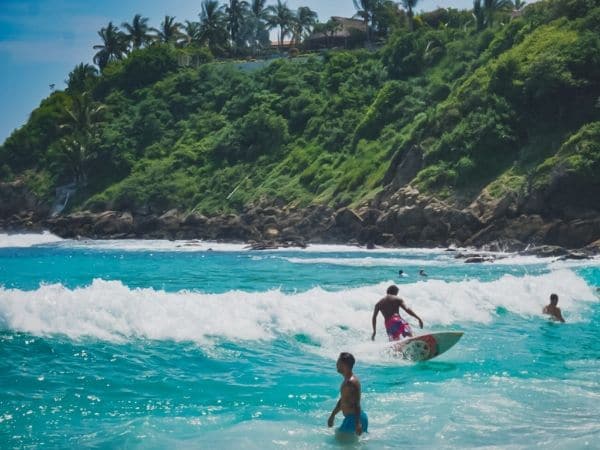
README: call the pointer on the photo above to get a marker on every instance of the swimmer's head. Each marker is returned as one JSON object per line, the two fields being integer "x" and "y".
{"x": 345, "y": 362}
{"x": 553, "y": 299}
{"x": 393, "y": 290}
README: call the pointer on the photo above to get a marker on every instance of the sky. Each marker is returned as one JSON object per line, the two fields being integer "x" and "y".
{"x": 41, "y": 41}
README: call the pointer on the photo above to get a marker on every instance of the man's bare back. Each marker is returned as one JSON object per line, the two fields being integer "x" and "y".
{"x": 389, "y": 306}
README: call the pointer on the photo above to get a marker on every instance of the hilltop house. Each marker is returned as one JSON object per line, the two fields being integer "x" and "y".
{"x": 338, "y": 32}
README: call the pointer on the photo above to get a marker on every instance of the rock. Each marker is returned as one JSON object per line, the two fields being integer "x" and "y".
{"x": 575, "y": 255}
{"x": 170, "y": 221}
{"x": 478, "y": 259}
{"x": 593, "y": 248}
{"x": 194, "y": 220}
{"x": 113, "y": 223}
{"x": 271, "y": 233}
{"x": 545, "y": 251}
{"x": 348, "y": 222}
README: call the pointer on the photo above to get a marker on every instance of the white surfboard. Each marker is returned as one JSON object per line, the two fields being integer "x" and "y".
{"x": 425, "y": 346}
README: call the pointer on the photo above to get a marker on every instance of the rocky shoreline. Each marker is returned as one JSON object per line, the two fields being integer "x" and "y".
{"x": 405, "y": 218}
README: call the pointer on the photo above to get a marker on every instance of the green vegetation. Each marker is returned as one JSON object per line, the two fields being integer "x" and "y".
{"x": 488, "y": 101}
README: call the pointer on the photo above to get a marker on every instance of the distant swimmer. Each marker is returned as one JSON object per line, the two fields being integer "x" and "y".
{"x": 395, "y": 325}
{"x": 422, "y": 273}
{"x": 553, "y": 310}
{"x": 401, "y": 273}
{"x": 355, "y": 419}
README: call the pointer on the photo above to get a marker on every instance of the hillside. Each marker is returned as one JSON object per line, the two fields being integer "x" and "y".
{"x": 443, "y": 134}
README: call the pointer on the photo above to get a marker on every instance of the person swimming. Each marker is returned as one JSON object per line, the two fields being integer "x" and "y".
{"x": 389, "y": 306}
{"x": 422, "y": 273}
{"x": 553, "y": 310}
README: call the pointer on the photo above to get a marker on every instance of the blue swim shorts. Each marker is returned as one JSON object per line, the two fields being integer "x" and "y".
{"x": 349, "y": 424}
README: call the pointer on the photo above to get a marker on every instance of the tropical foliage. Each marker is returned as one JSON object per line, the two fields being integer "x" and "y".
{"x": 478, "y": 103}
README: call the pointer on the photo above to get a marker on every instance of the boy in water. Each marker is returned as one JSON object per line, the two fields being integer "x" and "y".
{"x": 396, "y": 327}
{"x": 355, "y": 419}
{"x": 553, "y": 310}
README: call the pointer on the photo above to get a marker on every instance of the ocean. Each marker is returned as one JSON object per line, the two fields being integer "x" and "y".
{"x": 175, "y": 344}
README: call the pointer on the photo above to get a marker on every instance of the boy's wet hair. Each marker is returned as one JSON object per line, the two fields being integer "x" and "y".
{"x": 347, "y": 359}
{"x": 393, "y": 290}
{"x": 553, "y": 297}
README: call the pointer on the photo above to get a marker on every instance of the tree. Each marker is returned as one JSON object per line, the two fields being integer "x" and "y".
{"x": 236, "y": 13}
{"x": 113, "y": 47}
{"x": 213, "y": 26}
{"x": 365, "y": 9}
{"x": 192, "y": 32}
{"x": 478, "y": 15}
{"x": 81, "y": 122}
{"x": 410, "y": 6}
{"x": 280, "y": 16}
{"x": 137, "y": 31}
{"x": 169, "y": 31}
{"x": 491, "y": 7}
{"x": 81, "y": 78}
{"x": 304, "y": 20}
{"x": 256, "y": 24}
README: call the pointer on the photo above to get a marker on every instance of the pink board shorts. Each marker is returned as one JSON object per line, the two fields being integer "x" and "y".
{"x": 397, "y": 328}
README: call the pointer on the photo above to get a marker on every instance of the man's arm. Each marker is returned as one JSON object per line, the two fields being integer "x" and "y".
{"x": 333, "y": 413}
{"x": 559, "y": 315}
{"x": 374, "y": 320}
{"x": 411, "y": 312}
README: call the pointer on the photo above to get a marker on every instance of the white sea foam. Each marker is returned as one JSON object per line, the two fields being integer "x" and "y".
{"x": 27, "y": 239}
{"x": 109, "y": 310}
{"x": 368, "y": 261}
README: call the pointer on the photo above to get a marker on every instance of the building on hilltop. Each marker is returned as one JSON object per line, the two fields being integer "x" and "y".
{"x": 337, "y": 32}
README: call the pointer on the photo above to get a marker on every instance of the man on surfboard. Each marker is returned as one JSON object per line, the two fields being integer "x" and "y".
{"x": 554, "y": 310}
{"x": 355, "y": 419}
{"x": 389, "y": 306}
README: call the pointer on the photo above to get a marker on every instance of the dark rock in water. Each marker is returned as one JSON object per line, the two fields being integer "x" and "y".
{"x": 574, "y": 255}
{"x": 546, "y": 251}
{"x": 593, "y": 248}
{"x": 478, "y": 259}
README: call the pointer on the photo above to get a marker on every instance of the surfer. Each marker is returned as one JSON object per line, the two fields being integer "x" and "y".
{"x": 355, "y": 419}
{"x": 553, "y": 310}
{"x": 422, "y": 273}
{"x": 395, "y": 325}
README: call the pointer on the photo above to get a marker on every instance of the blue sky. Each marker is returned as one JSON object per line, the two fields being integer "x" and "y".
{"x": 41, "y": 41}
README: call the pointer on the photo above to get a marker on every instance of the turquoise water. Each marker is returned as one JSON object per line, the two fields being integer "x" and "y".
{"x": 157, "y": 344}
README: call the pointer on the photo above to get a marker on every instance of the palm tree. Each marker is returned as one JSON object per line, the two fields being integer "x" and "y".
{"x": 169, "y": 31}
{"x": 280, "y": 16}
{"x": 491, "y": 7}
{"x": 192, "y": 32}
{"x": 410, "y": 5}
{"x": 81, "y": 122}
{"x": 212, "y": 26}
{"x": 478, "y": 15}
{"x": 113, "y": 47}
{"x": 137, "y": 31}
{"x": 81, "y": 77}
{"x": 304, "y": 20}
{"x": 236, "y": 13}
{"x": 256, "y": 21}
{"x": 365, "y": 9}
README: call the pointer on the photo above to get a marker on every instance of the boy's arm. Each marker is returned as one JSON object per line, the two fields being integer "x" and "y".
{"x": 333, "y": 413}
{"x": 374, "y": 320}
{"x": 411, "y": 312}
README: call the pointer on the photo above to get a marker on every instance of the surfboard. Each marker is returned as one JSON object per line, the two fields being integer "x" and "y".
{"x": 426, "y": 346}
